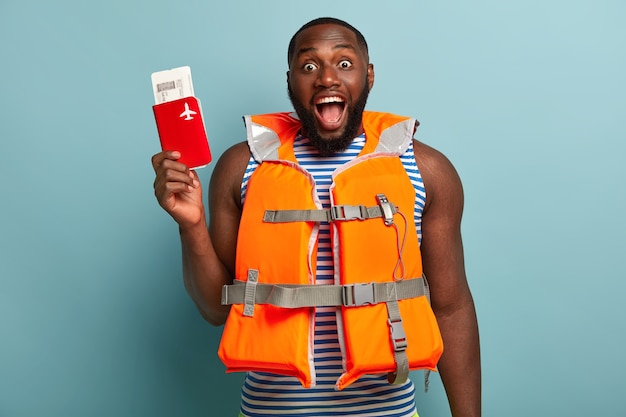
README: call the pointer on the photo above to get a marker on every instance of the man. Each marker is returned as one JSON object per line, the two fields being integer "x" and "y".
{"x": 328, "y": 81}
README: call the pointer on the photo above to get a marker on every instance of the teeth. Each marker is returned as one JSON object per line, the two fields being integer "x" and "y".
{"x": 327, "y": 100}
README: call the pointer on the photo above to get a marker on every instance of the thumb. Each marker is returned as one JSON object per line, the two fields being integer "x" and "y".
{"x": 194, "y": 178}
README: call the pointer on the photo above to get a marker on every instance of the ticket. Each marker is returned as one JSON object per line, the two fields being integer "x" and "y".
{"x": 172, "y": 84}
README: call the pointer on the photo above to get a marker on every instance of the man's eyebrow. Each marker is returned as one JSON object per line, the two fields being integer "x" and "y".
{"x": 303, "y": 51}
{"x": 344, "y": 46}
{"x": 313, "y": 49}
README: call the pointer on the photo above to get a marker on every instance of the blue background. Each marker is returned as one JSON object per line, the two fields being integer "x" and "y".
{"x": 527, "y": 98}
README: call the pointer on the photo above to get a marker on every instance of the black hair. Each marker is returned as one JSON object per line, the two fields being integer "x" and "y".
{"x": 323, "y": 21}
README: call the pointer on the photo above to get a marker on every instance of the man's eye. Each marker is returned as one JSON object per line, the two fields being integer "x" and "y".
{"x": 345, "y": 64}
{"x": 309, "y": 67}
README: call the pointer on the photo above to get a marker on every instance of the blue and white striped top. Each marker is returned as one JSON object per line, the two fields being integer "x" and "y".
{"x": 266, "y": 394}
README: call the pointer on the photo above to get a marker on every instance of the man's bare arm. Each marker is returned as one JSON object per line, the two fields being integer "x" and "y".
{"x": 443, "y": 260}
{"x": 208, "y": 257}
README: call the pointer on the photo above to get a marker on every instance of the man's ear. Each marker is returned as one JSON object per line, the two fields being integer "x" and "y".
{"x": 287, "y": 76}
{"x": 370, "y": 75}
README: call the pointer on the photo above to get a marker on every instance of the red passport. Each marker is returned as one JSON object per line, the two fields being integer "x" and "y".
{"x": 181, "y": 128}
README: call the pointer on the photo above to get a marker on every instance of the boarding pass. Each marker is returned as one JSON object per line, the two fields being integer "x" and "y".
{"x": 172, "y": 84}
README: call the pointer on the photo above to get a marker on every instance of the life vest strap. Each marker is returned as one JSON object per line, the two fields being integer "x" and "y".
{"x": 335, "y": 213}
{"x": 399, "y": 343}
{"x": 249, "y": 293}
{"x": 302, "y": 295}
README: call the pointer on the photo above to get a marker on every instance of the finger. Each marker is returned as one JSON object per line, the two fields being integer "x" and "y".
{"x": 165, "y": 190}
{"x": 167, "y": 178}
{"x": 159, "y": 158}
{"x": 170, "y": 170}
{"x": 178, "y": 173}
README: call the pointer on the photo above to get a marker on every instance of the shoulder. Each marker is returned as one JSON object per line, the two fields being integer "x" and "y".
{"x": 441, "y": 180}
{"x": 235, "y": 156}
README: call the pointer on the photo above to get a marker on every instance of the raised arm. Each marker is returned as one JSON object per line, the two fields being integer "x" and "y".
{"x": 443, "y": 261}
{"x": 208, "y": 255}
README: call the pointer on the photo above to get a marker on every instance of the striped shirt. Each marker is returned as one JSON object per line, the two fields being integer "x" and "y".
{"x": 265, "y": 394}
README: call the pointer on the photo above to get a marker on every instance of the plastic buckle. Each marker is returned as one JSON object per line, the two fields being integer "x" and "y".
{"x": 344, "y": 212}
{"x": 398, "y": 337}
{"x": 224, "y": 295}
{"x": 387, "y": 209}
{"x": 355, "y": 295}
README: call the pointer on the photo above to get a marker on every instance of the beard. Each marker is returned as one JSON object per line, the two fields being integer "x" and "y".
{"x": 331, "y": 146}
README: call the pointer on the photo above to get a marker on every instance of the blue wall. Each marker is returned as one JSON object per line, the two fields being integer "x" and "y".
{"x": 527, "y": 98}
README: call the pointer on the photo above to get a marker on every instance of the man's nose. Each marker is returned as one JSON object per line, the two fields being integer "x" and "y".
{"x": 328, "y": 77}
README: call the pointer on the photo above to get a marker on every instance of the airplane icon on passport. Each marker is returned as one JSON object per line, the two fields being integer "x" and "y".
{"x": 187, "y": 113}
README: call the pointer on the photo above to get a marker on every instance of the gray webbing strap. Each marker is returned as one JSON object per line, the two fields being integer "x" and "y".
{"x": 296, "y": 296}
{"x": 399, "y": 343}
{"x": 426, "y": 371}
{"x": 249, "y": 294}
{"x": 335, "y": 213}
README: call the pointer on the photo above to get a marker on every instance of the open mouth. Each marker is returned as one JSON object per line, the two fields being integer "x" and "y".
{"x": 329, "y": 111}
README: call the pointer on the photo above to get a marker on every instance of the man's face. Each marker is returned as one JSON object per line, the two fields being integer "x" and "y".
{"x": 328, "y": 81}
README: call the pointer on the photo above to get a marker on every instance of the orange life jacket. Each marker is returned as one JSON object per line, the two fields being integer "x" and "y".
{"x": 384, "y": 320}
